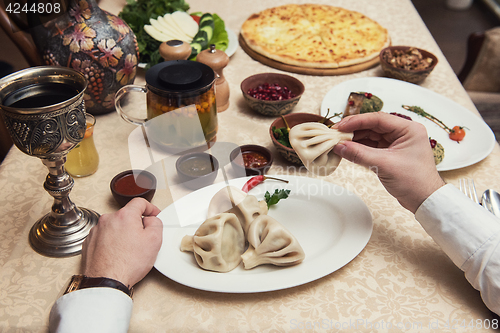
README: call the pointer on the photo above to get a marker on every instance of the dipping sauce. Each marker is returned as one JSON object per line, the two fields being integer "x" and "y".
{"x": 253, "y": 159}
{"x": 197, "y": 166}
{"x": 128, "y": 185}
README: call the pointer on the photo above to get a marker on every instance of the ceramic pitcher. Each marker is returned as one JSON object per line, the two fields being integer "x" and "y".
{"x": 92, "y": 41}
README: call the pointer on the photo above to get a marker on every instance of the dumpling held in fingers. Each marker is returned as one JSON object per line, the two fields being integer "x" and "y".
{"x": 217, "y": 244}
{"x": 231, "y": 199}
{"x": 270, "y": 243}
{"x": 313, "y": 143}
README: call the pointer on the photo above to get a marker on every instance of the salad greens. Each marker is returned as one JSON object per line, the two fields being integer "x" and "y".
{"x": 137, "y": 13}
{"x": 219, "y": 38}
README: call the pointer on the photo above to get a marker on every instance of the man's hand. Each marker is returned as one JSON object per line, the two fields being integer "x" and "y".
{"x": 397, "y": 149}
{"x": 124, "y": 245}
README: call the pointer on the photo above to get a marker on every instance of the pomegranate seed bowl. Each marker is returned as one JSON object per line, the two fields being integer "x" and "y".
{"x": 272, "y": 94}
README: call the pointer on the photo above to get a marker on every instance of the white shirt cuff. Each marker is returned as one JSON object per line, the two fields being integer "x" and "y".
{"x": 91, "y": 310}
{"x": 469, "y": 235}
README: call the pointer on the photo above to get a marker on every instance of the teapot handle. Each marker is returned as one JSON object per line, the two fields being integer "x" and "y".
{"x": 20, "y": 39}
{"x": 118, "y": 103}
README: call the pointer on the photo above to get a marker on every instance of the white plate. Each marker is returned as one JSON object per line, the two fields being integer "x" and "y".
{"x": 479, "y": 139}
{"x": 232, "y": 46}
{"x": 332, "y": 225}
{"x": 233, "y": 42}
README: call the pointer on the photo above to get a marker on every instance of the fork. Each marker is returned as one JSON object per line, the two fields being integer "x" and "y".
{"x": 469, "y": 189}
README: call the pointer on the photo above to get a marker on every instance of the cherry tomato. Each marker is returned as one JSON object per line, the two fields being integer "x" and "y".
{"x": 457, "y": 134}
{"x": 196, "y": 18}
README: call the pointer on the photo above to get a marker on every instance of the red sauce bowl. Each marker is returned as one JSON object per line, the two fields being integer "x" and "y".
{"x": 133, "y": 184}
{"x": 253, "y": 159}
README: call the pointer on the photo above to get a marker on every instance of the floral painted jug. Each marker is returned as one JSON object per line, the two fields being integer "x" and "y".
{"x": 94, "y": 42}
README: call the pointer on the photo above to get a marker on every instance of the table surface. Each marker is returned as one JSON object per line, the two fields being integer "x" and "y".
{"x": 401, "y": 279}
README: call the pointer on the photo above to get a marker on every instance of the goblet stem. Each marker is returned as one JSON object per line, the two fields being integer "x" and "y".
{"x": 58, "y": 184}
{"x": 61, "y": 232}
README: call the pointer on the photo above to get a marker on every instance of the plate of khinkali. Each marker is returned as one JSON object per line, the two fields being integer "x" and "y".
{"x": 331, "y": 224}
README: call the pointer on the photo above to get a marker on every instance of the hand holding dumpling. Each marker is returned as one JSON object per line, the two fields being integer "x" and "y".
{"x": 314, "y": 142}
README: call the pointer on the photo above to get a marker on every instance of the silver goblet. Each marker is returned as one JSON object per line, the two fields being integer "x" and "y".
{"x": 44, "y": 111}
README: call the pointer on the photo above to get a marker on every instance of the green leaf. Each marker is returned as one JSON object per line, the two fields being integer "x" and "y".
{"x": 219, "y": 37}
{"x": 275, "y": 197}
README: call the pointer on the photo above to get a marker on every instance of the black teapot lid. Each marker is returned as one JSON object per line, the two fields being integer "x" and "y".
{"x": 180, "y": 76}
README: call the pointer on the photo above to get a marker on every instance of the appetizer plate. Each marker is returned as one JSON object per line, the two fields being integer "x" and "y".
{"x": 331, "y": 224}
{"x": 232, "y": 46}
{"x": 479, "y": 140}
{"x": 233, "y": 42}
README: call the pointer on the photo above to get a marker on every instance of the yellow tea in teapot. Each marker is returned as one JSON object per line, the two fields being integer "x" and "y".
{"x": 188, "y": 121}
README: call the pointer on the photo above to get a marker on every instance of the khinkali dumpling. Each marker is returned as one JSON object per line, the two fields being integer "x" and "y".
{"x": 313, "y": 143}
{"x": 217, "y": 244}
{"x": 270, "y": 243}
{"x": 231, "y": 199}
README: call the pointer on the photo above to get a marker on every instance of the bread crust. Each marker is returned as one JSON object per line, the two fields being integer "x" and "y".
{"x": 314, "y": 36}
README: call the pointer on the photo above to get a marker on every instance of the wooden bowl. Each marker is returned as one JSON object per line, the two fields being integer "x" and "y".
{"x": 131, "y": 184}
{"x": 238, "y": 164}
{"x": 412, "y": 76}
{"x": 272, "y": 108}
{"x": 293, "y": 119}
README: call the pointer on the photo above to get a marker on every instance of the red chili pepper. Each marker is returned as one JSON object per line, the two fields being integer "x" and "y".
{"x": 254, "y": 181}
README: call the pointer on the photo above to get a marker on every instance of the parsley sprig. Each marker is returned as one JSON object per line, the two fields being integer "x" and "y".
{"x": 273, "y": 199}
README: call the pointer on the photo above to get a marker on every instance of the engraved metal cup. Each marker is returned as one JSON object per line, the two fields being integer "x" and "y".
{"x": 49, "y": 132}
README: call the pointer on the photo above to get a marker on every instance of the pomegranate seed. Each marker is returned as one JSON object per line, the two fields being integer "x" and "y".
{"x": 368, "y": 95}
{"x": 271, "y": 92}
{"x": 432, "y": 142}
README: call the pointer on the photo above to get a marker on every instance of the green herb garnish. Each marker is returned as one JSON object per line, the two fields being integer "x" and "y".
{"x": 418, "y": 110}
{"x": 275, "y": 197}
{"x": 281, "y": 135}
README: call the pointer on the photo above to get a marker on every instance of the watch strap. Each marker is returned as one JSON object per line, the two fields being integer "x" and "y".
{"x": 82, "y": 282}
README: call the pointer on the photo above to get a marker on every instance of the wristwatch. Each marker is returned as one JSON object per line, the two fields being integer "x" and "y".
{"x": 81, "y": 282}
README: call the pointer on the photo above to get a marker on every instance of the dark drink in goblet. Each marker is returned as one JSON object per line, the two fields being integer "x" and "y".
{"x": 44, "y": 111}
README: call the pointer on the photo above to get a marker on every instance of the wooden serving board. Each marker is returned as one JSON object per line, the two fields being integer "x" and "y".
{"x": 307, "y": 70}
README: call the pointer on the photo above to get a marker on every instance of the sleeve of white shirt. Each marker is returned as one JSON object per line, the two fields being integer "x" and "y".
{"x": 469, "y": 235}
{"x": 91, "y": 310}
